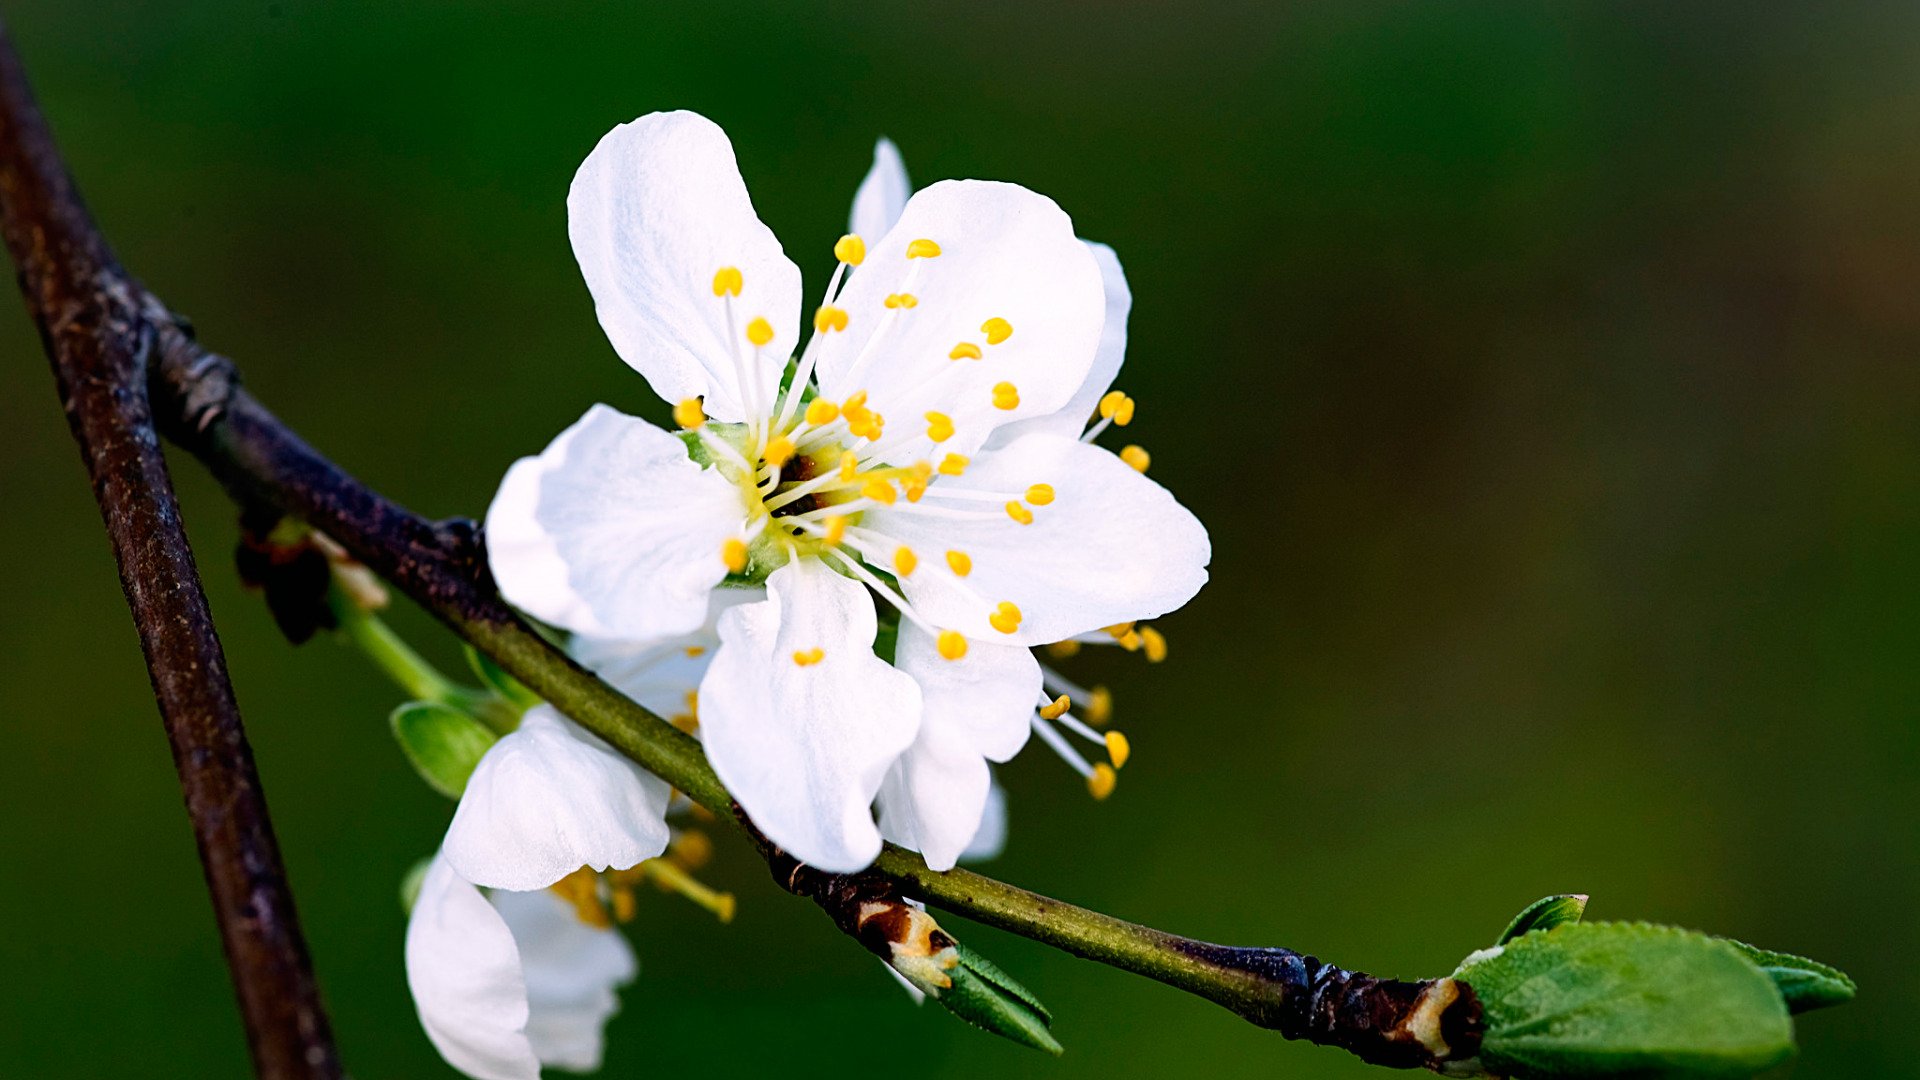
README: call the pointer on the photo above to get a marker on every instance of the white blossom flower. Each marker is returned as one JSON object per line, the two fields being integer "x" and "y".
{"x": 888, "y": 462}
{"x": 508, "y": 982}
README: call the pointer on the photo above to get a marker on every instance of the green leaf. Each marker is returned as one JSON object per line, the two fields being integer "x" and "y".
{"x": 495, "y": 678}
{"x": 443, "y": 743}
{"x": 1626, "y": 1000}
{"x": 990, "y": 999}
{"x": 1805, "y": 984}
{"x": 1545, "y": 914}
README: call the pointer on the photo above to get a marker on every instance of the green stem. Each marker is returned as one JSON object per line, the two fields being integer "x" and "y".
{"x": 413, "y": 672}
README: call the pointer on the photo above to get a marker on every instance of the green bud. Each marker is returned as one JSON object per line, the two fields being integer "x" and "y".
{"x": 1626, "y": 1000}
{"x": 1545, "y": 914}
{"x": 443, "y": 743}
{"x": 990, "y": 999}
{"x": 495, "y": 678}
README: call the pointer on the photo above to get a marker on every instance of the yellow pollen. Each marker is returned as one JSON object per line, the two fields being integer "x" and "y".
{"x": 939, "y": 427}
{"x": 1136, "y": 457}
{"x": 960, "y": 563}
{"x": 691, "y": 848}
{"x": 821, "y": 411}
{"x": 1061, "y": 650}
{"x": 836, "y": 529}
{"x": 1118, "y": 749}
{"x": 901, "y": 300}
{"x": 734, "y": 554}
{"x": 1005, "y": 618}
{"x": 879, "y": 491}
{"x": 966, "y": 350}
{"x": 694, "y": 652}
{"x": 1055, "y": 709}
{"x": 922, "y": 470}
{"x": 865, "y": 423}
{"x": 951, "y": 644}
{"x": 1130, "y": 641}
{"x": 1155, "y": 643}
{"x": 922, "y": 249}
{"x": 1006, "y": 396}
{"x": 809, "y": 657}
{"x": 581, "y": 889}
{"x": 779, "y": 451}
{"x": 1099, "y": 705}
{"x": 849, "y": 464}
{"x": 1118, "y": 630}
{"x": 854, "y": 401}
{"x": 1019, "y": 513}
{"x": 904, "y": 560}
{"x": 1123, "y": 415}
{"x": 850, "y": 249}
{"x": 997, "y": 330}
{"x": 689, "y": 414}
{"x": 953, "y": 465}
{"x": 727, "y": 281}
{"x": 1040, "y": 494}
{"x": 915, "y": 490}
{"x": 624, "y": 907}
{"x": 830, "y": 318}
{"x": 1110, "y": 402}
{"x": 759, "y": 331}
{"x": 1100, "y": 784}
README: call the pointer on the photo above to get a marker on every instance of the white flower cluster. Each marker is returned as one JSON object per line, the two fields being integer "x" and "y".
{"x": 924, "y": 447}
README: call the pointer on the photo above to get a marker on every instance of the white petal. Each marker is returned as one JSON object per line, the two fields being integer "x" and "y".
{"x": 805, "y": 747}
{"x": 464, "y": 971}
{"x": 612, "y": 530}
{"x": 882, "y": 195}
{"x": 1006, "y": 253}
{"x": 1112, "y": 547}
{"x": 659, "y": 673}
{"x": 571, "y": 971}
{"x": 975, "y": 708}
{"x": 991, "y": 838}
{"x": 654, "y": 212}
{"x": 1072, "y": 419}
{"x": 549, "y": 799}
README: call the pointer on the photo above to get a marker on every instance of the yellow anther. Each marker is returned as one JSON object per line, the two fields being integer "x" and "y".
{"x": 1118, "y": 630}
{"x": 691, "y": 848}
{"x": 904, "y": 560}
{"x": 879, "y": 491}
{"x": 1019, "y": 513}
{"x": 734, "y": 554}
{"x": 581, "y": 889}
{"x": 1118, "y": 749}
{"x": 966, "y": 350}
{"x": 1099, "y": 705}
{"x": 624, "y": 907}
{"x": 1155, "y": 644}
{"x": 809, "y": 657}
{"x": 1100, "y": 784}
{"x": 865, "y": 423}
{"x": 1062, "y": 650}
{"x": 850, "y": 249}
{"x": 1109, "y": 402}
{"x": 727, "y": 281}
{"x": 695, "y": 652}
{"x": 901, "y": 300}
{"x": 759, "y": 331}
{"x": 915, "y": 489}
{"x": 779, "y": 451}
{"x": 960, "y": 563}
{"x": 689, "y": 414}
{"x": 821, "y": 411}
{"x": 1136, "y": 457}
{"x": 921, "y": 470}
{"x": 1055, "y": 709}
{"x": 997, "y": 330}
{"x": 693, "y": 703}
{"x": 1040, "y": 494}
{"x": 922, "y": 249}
{"x": 849, "y": 464}
{"x": 1006, "y": 396}
{"x": 830, "y": 318}
{"x": 953, "y": 465}
{"x": 939, "y": 427}
{"x": 951, "y": 644}
{"x": 836, "y": 529}
{"x": 1005, "y": 618}
{"x": 1123, "y": 414}
{"x": 1130, "y": 641}
{"x": 855, "y": 400}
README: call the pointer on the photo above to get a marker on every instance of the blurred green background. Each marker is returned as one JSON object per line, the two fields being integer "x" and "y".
{"x": 1546, "y": 378}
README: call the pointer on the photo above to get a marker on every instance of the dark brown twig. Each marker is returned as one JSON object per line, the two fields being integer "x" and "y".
{"x": 96, "y": 325}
